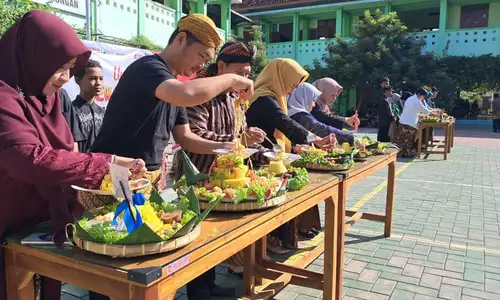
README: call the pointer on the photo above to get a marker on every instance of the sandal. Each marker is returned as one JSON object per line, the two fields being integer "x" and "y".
{"x": 274, "y": 246}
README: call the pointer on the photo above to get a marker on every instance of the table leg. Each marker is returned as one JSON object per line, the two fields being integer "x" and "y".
{"x": 260, "y": 256}
{"x": 248, "y": 271}
{"x": 342, "y": 199}
{"x": 330, "y": 254}
{"x": 452, "y": 133}
{"x": 446, "y": 140}
{"x": 428, "y": 142}
{"x": 419, "y": 143}
{"x": 389, "y": 202}
{"x": 147, "y": 293}
{"x": 20, "y": 283}
{"x": 449, "y": 138}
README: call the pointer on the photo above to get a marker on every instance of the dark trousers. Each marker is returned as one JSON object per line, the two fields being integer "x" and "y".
{"x": 204, "y": 281}
{"x": 383, "y": 134}
{"x": 496, "y": 125}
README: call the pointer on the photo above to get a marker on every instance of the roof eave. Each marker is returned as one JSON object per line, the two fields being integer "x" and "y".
{"x": 316, "y": 7}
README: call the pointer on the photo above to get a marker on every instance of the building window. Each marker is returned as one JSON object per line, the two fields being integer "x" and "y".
{"x": 474, "y": 16}
{"x": 326, "y": 28}
{"x": 284, "y": 33}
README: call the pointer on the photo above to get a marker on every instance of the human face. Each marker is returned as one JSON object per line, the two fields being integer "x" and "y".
{"x": 92, "y": 83}
{"x": 313, "y": 104}
{"x": 242, "y": 69}
{"x": 59, "y": 78}
{"x": 385, "y": 83}
{"x": 193, "y": 57}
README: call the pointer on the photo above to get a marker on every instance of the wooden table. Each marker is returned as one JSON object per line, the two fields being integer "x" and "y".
{"x": 159, "y": 276}
{"x": 361, "y": 171}
{"x": 451, "y": 133}
{"x": 424, "y": 127}
{"x": 264, "y": 278}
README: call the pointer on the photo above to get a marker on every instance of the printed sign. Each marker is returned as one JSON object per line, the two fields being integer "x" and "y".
{"x": 177, "y": 265}
{"x": 73, "y": 6}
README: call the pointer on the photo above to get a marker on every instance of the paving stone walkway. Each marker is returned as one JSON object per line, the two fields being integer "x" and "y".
{"x": 446, "y": 238}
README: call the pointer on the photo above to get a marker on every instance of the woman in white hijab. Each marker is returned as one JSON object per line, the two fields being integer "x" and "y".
{"x": 300, "y": 104}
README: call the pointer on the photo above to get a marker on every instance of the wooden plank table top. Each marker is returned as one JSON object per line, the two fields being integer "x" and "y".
{"x": 159, "y": 276}
{"x": 359, "y": 172}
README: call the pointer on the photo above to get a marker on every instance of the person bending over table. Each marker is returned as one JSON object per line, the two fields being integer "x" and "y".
{"x": 149, "y": 103}
{"x": 217, "y": 119}
{"x": 406, "y": 133}
{"x": 268, "y": 110}
{"x": 38, "y": 55}
{"x": 330, "y": 91}
{"x": 302, "y": 102}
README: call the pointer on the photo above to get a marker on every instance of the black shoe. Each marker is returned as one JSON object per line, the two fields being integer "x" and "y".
{"x": 239, "y": 274}
{"x": 315, "y": 231}
{"x": 308, "y": 235}
{"x": 201, "y": 294}
{"x": 219, "y": 291}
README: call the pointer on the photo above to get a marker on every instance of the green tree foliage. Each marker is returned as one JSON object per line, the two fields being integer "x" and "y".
{"x": 260, "y": 60}
{"x": 11, "y": 11}
{"x": 142, "y": 42}
{"x": 381, "y": 46}
{"x": 474, "y": 73}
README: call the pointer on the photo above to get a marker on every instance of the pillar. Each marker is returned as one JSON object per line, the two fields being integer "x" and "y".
{"x": 443, "y": 17}
{"x": 225, "y": 12}
{"x": 141, "y": 17}
{"x": 201, "y": 7}
{"x": 268, "y": 26}
{"x": 338, "y": 22}
{"x": 93, "y": 20}
{"x": 296, "y": 30}
{"x": 177, "y": 6}
{"x": 388, "y": 7}
{"x": 346, "y": 29}
{"x": 305, "y": 29}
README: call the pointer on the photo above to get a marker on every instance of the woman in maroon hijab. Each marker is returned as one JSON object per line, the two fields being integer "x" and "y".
{"x": 37, "y": 165}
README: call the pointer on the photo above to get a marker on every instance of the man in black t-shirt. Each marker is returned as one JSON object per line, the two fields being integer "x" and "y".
{"x": 148, "y": 104}
{"x": 89, "y": 114}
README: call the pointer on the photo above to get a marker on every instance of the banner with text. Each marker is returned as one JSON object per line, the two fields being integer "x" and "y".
{"x": 114, "y": 59}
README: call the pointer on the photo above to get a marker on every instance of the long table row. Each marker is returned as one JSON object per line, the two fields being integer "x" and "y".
{"x": 223, "y": 235}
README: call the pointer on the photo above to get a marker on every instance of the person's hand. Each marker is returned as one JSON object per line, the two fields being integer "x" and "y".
{"x": 328, "y": 141}
{"x": 253, "y": 135}
{"x": 228, "y": 145}
{"x": 352, "y": 121}
{"x": 243, "y": 86}
{"x": 137, "y": 167}
{"x": 300, "y": 148}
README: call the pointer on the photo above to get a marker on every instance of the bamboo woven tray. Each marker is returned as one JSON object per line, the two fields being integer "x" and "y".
{"x": 246, "y": 205}
{"x": 115, "y": 250}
